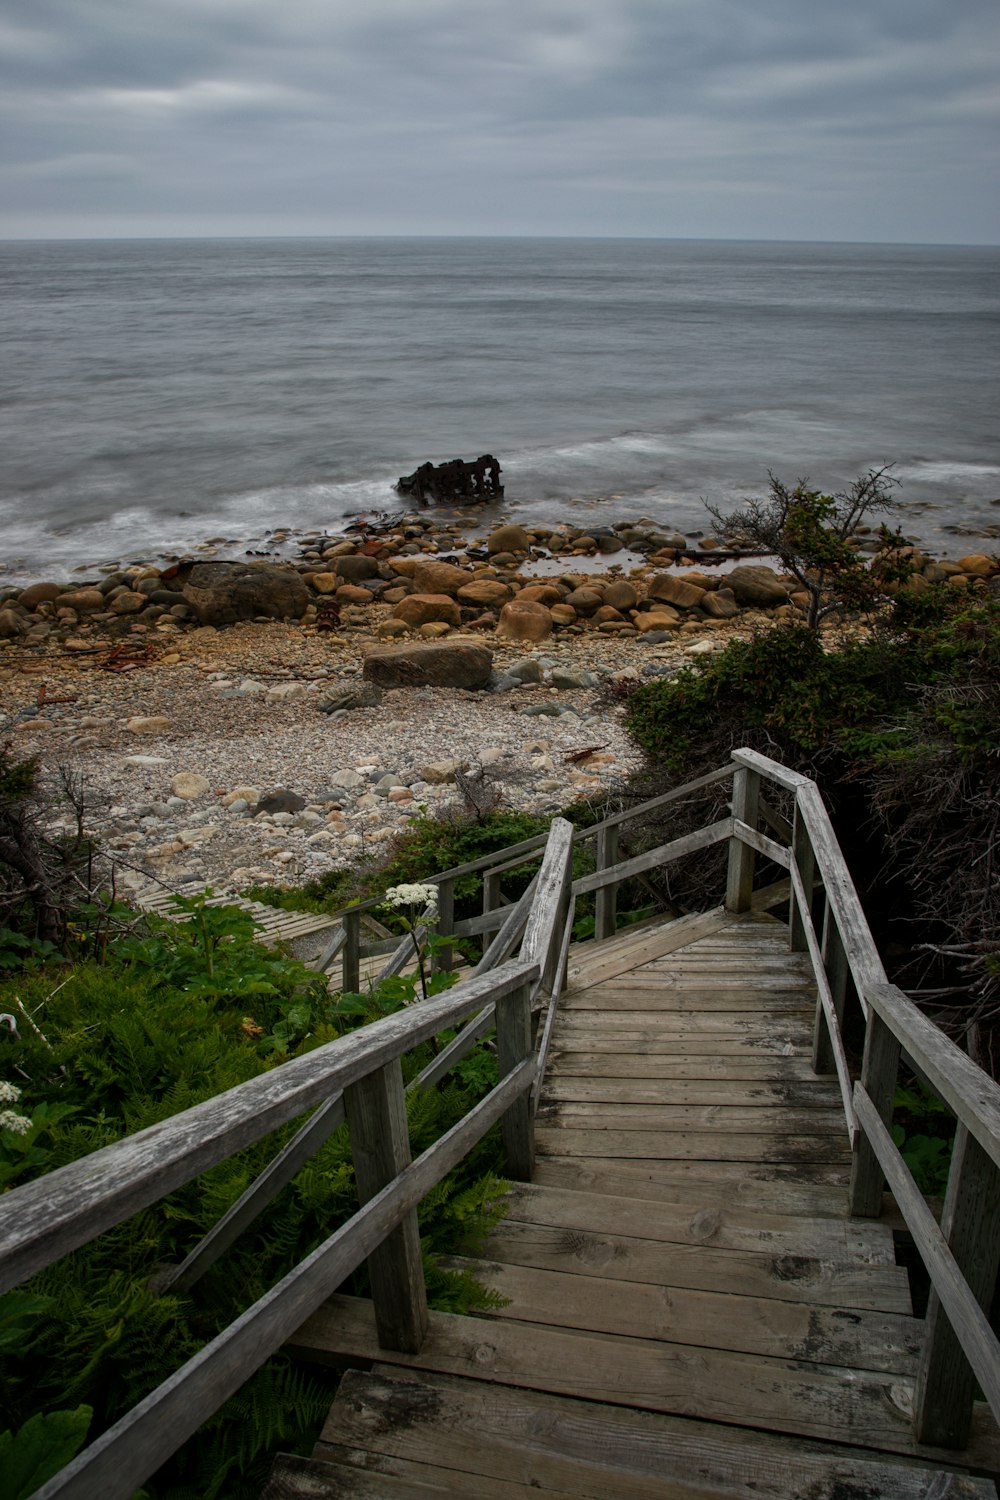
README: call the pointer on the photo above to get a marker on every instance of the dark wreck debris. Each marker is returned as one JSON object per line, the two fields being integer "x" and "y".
{"x": 454, "y": 482}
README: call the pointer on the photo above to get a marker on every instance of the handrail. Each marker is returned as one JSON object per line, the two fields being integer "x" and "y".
{"x": 962, "y": 1257}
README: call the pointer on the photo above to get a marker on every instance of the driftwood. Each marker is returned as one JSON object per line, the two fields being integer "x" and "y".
{"x": 454, "y": 482}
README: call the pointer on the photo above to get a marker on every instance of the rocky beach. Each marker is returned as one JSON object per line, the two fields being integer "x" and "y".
{"x": 230, "y": 722}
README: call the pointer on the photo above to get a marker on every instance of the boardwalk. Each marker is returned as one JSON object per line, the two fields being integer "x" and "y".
{"x": 691, "y": 1311}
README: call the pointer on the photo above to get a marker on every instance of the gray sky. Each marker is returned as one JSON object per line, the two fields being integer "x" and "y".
{"x": 774, "y": 119}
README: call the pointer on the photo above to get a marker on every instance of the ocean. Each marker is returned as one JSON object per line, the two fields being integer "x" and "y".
{"x": 157, "y": 394}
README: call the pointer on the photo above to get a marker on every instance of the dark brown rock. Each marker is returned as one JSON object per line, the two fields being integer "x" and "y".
{"x": 758, "y": 586}
{"x": 671, "y": 590}
{"x": 222, "y": 592}
{"x": 427, "y": 609}
{"x": 38, "y": 593}
{"x": 355, "y": 568}
{"x": 458, "y": 664}
{"x": 439, "y": 578}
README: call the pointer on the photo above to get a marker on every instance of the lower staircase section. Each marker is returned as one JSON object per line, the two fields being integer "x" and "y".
{"x": 394, "y": 1434}
{"x": 691, "y": 1312}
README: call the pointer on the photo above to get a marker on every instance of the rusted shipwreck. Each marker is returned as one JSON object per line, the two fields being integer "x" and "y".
{"x": 456, "y": 482}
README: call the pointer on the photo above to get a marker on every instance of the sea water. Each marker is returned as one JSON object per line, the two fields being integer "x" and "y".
{"x": 154, "y": 394}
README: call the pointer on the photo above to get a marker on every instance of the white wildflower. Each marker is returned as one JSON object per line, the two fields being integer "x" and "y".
{"x": 17, "y": 1124}
{"x": 411, "y": 895}
{"x": 9, "y": 1092}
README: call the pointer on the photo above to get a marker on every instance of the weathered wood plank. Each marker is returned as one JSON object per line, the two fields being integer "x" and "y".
{"x": 735, "y": 1093}
{"x": 867, "y": 1340}
{"x": 514, "y": 1047}
{"x": 702, "y": 838}
{"x": 740, "y": 1068}
{"x": 295, "y": 1478}
{"x": 585, "y": 1114}
{"x": 542, "y": 942}
{"x": 812, "y": 1191}
{"x": 555, "y": 1140}
{"x": 656, "y": 1022}
{"x": 740, "y": 872}
{"x": 968, "y": 1092}
{"x": 879, "y": 1071}
{"x": 402, "y": 1421}
{"x": 380, "y": 1147}
{"x": 811, "y": 1401}
{"x": 591, "y": 963}
{"x": 694, "y": 1222}
{"x": 679, "y": 1044}
{"x": 841, "y": 894}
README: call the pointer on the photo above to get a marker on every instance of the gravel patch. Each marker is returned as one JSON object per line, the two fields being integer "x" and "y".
{"x": 175, "y": 758}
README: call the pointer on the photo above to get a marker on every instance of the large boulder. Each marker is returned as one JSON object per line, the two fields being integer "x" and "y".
{"x": 484, "y": 593}
{"x": 38, "y": 593}
{"x": 676, "y": 591}
{"x": 355, "y": 568}
{"x": 427, "y": 609}
{"x": 523, "y": 620}
{"x": 455, "y": 663}
{"x": 757, "y": 586}
{"x": 439, "y": 578}
{"x": 510, "y": 538}
{"x": 84, "y": 600}
{"x": 221, "y": 593}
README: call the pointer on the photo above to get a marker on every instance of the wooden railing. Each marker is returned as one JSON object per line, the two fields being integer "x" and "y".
{"x": 358, "y": 1079}
{"x": 962, "y": 1256}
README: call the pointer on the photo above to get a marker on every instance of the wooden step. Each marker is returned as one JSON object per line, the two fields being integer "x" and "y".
{"x": 591, "y": 1085}
{"x": 476, "y": 1441}
{"x": 782, "y": 1278}
{"x": 693, "y": 1221}
{"x": 713, "y": 1319}
{"x": 866, "y": 1409}
{"x": 781, "y": 1188}
{"x": 709, "y": 1145}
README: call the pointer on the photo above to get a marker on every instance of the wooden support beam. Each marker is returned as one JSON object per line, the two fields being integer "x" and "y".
{"x": 739, "y": 880}
{"x": 605, "y": 916}
{"x": 445, "y": 923}
{"x": 946, "y": 1383}
{"x": 380, "y": 1145}
{"x": 350, "y": 959}
{"x": 879, "y": 1071}
{"x": 838, "y": 978}
{"x": 514, "y": 1046}
{"x": 805, "y": 862}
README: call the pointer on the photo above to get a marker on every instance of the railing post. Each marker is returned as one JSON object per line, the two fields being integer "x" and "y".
{"x": 739, "y": 882}
{"x": 838, "y": 975}
{"x": 491, "y": 900}
{"x": 445, "y": 923}
{"x": 946, "y": 1387}
{"x": 380, "y": 1144}
{"x": 606, "y": 904}
{"x": 514, "y": 1044}
{"x": 351, "y": 954}
{"x": 805, "y": 860}
{"x": 878, "y": 1077}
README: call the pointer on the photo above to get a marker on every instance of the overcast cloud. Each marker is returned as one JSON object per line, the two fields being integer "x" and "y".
{"x": 780, "y": 119}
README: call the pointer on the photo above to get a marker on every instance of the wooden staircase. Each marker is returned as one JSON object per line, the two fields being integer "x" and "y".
{"x": 692, "y": 1312}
